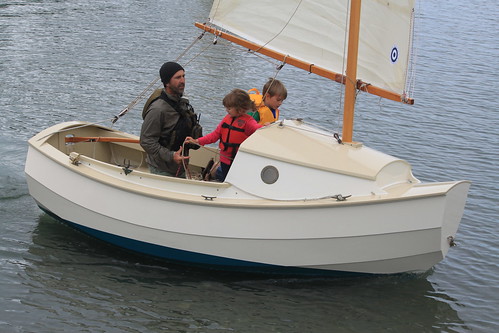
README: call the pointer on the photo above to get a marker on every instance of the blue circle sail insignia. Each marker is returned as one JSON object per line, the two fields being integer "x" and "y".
{"x": 394, "y": 54}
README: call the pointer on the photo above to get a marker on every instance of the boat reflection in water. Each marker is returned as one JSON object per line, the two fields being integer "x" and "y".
{"x": 140, "y": 291}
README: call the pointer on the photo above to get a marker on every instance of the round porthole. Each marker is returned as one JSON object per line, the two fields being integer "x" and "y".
{"x": 269, "y": 174}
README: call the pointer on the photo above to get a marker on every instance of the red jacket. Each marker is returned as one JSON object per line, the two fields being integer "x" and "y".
{"x": 231, "y": 132}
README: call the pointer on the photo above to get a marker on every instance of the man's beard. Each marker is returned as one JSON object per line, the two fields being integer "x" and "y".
{"x": 177, "y": 91}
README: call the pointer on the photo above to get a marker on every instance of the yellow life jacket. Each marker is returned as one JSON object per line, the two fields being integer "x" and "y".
{"x": 266, "y": 115}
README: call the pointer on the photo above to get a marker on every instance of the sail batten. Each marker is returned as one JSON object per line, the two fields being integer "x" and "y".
{"x": 313, "y": 32}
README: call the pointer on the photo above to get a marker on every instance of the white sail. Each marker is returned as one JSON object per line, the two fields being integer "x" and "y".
{"x": 315, "y": 31}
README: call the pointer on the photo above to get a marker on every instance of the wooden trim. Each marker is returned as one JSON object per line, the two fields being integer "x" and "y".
{"x": 350, "y": 83}
{"x": 311, "y": 68}
{"x": 98, "y": 139}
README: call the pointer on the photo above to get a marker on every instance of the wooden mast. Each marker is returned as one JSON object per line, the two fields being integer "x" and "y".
{"x": 351, "y": 72}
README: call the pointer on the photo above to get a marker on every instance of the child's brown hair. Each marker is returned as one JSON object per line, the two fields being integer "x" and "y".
{"x": 275, "y": 87}
{"x": 240, "y": 100}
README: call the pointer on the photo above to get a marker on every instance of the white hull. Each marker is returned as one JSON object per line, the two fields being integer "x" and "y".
{"x": 398, "y": 228}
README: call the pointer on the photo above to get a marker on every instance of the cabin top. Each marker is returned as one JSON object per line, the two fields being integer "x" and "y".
{"x": 295, "y": 142}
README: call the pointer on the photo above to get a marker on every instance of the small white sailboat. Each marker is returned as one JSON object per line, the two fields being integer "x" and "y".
{"x": 283, "y": 208}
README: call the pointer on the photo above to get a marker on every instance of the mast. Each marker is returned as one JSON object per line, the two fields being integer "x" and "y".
{"x": 320, "y": 53}
{"x": 351, "y": 72}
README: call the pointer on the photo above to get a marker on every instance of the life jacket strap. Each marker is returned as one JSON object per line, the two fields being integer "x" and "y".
{"x": 232, "y": 128}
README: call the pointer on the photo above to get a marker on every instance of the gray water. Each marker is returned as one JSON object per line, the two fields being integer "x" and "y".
{"x": 87, "y": 59}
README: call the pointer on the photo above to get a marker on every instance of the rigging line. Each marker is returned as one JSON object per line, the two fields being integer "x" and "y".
{"x": 284, "y": 27}
{"x": 411, "y": 59}
{"x": 380, "y": 105}
{"x": 198, "y": 38}
{"x": 239, "y": 47}
{"x": 277, "y": 64}
{"x": 200, "y": 52}
{"x": 216, "y": 10}
{"x": 343, "y": 71}
{"x": 267, "y": 59}
{"x": 278, "y": 69}
{"x": 135, "y": 101}
{"x": 188, "y": 174}
{"x": 325, "y": 130}
{"x": 210, "y": 149}
{"x": 142, "y": 95}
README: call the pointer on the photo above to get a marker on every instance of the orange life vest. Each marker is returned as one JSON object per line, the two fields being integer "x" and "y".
{"x": 266, "y": 115}
{"x": 232, "y": 134}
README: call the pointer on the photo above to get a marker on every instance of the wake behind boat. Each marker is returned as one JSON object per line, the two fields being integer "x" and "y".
{"x": 297, "y": 199}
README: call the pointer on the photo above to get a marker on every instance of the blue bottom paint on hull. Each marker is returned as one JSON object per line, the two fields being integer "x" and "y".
{"x": 198, "y": 259}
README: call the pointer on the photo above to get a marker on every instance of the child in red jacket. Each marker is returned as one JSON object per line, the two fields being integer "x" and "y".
{"x": 236, "y": 127}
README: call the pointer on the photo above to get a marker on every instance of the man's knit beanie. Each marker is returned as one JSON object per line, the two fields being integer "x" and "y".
{"x": 168, "y": 70}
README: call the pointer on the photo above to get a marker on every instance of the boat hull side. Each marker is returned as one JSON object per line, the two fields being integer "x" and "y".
{"x": 228, "y": 264}
{"x": 394, "y": 237}
{"x": 347, "y": 254}
{"x": 202, "y": 260}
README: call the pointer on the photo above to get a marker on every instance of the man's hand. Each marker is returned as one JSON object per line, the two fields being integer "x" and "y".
{"x": 177, "y": 156}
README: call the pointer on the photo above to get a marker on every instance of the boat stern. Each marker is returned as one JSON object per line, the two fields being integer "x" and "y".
{"x": 453, "y": 213}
